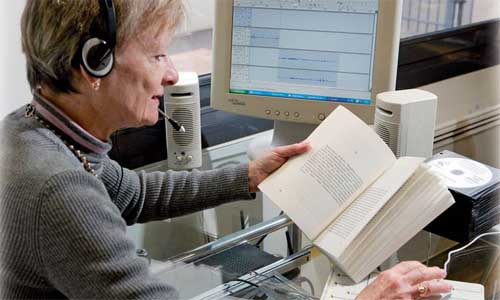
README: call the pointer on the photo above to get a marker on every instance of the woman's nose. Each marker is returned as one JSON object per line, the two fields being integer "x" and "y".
{"x": 170, "y": 76}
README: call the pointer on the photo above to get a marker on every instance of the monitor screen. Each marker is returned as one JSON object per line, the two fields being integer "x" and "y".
{"x": 310, "y": 50}
{"x": 293, "y": 60}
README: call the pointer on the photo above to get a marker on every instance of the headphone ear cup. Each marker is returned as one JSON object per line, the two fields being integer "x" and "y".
{"x": 97, "y": 58}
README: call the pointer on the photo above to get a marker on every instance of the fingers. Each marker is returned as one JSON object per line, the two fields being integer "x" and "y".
{"x": 415, "y": 272}
{"x": 292, "y": 150}
{"x": 407, "y": 280}
{"x": 423, "y": 273}
{"x": 426, "y": 281}
{"x": 438, "y": 287}
{"x": 416, "y": 280}
{"x": 431, "y": 288}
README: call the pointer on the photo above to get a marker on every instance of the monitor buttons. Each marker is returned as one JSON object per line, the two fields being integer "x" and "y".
{"x": 268, "y": 111}
{"x": 287, "y": 114}
{"x": 296, "y": 114}
{"x": 321, "y": 117}
{"x": 277, "y": 113}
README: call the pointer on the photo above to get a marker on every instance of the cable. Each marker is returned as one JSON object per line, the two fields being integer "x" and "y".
{"x": 242, "y": 220}
{"x": 289, "y": 243}
{"x": 247, "y": 282}
{"x": 306, "y": 280}
{"x": 260, "y": 241}
{"x": 462, "y": 248}
{"x": 284, "y": 291}
{"x": 264, "y": 236}
{"x": 252, "y": 284}
{"x": 429, "y": 249}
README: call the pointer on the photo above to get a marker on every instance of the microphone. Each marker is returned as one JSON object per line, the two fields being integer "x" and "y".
{"x": 177, "y": 126}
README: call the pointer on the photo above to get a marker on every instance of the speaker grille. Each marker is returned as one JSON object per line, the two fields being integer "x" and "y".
{"x": 389, "y": 132}
{"x": 185, "y": 117}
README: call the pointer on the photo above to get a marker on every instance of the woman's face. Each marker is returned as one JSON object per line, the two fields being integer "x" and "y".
{"x": 142, "y": 69}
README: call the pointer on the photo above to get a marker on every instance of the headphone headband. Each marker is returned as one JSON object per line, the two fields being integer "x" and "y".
{"x": 97, "y": 53}
{"x": 108, "y": 10}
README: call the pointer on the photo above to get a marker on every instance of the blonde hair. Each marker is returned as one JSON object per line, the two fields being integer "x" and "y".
{"x": 54, "y": 30}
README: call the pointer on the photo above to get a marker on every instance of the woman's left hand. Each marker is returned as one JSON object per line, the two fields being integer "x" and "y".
{"x": 262, "y": 167}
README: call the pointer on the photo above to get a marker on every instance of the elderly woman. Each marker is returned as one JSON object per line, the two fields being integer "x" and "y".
{"x": 95, "y": 67}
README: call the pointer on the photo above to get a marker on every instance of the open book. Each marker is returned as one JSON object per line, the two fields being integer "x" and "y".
{"x": 351, "y": 196}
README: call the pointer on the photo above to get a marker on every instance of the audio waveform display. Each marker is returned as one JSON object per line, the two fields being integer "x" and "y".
{"x": 330, "y": 49}
{"x": 307, "y": 60}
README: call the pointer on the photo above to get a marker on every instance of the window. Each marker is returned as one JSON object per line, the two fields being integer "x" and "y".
{"x": 191, "y": 49}
{"x": 424, "y": 16}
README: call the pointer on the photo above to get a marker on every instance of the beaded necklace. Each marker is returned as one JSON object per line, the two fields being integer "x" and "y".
{"x": 30, "y": 112}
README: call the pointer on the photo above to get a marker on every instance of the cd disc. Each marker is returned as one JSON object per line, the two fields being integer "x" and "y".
{"x": 460, "y": 172}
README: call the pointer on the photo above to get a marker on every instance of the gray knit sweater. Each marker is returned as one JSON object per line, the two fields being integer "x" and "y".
{"x": 63, "y": 231}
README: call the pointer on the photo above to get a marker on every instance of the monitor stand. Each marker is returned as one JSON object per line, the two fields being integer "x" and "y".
{"x": 284, "y": 133}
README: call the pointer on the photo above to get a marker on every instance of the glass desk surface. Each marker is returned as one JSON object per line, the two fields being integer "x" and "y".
{"x": 302, "y": 275}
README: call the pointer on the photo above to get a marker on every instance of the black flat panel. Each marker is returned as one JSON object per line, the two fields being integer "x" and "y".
{"x": 438, "y": 56}
{"x": 137, "y": 147}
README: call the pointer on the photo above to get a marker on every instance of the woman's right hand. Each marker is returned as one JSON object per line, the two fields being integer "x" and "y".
{"x": 406, "y": 280}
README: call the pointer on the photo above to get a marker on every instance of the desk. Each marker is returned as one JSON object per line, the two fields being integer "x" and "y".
{"x": 167, "y": 240}
{"x": 309, "y": 268}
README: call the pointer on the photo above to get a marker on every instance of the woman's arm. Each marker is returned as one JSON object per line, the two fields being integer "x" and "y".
{"x": 144, "y": 196}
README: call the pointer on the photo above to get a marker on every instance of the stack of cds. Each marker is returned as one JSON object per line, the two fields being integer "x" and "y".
{"x": 476, "y": 189}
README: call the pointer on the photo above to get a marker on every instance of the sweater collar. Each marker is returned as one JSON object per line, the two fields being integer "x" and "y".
{"x": 62, "y": 122}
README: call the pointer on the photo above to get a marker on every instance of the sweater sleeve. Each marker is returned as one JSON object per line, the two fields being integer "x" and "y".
{"x": 143, "y": 197}
{"x": 83, "y": 247}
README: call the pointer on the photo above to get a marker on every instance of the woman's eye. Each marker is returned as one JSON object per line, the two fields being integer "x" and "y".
{"x": 160, "y": 57}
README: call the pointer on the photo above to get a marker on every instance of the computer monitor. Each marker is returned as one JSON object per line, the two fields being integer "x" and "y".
{"x": 296, "y": 61}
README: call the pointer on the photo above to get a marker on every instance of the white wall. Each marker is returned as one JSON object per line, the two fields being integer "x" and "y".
{"x": 14, "y": 89}
{"x": 485, "y": 10}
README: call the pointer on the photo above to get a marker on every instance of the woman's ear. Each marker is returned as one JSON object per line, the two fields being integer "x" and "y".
{"x": 88, "y": 80}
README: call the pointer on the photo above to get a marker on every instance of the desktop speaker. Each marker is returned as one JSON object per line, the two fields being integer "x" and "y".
{"x": 405, "y": 120}
{"x": 182, "y": 103}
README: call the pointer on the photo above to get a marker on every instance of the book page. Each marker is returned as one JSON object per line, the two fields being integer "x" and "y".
{"x": 347, "y": 226}
{"x": 421, "y": 199}
{"x": 345, "y": 157}
{"x": 338, "y": 287}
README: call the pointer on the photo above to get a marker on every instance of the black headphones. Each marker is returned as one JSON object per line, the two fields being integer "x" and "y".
{"x": 97, "y": 54}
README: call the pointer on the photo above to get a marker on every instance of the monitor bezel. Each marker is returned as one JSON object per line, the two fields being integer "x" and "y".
{"x": 284, "y": 109}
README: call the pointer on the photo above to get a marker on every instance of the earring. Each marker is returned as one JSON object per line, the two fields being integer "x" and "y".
{"x": 96, "y": 85}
